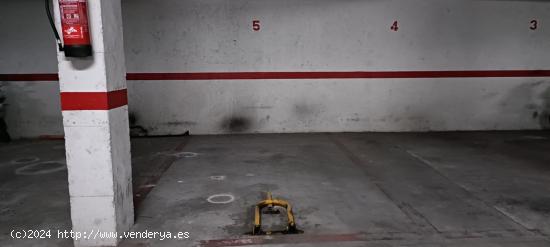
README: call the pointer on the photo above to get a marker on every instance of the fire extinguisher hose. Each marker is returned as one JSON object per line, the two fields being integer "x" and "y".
{"x": 52, "y": 24}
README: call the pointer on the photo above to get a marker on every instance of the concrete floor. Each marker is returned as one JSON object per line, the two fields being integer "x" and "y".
{"x": 367, "y": 189}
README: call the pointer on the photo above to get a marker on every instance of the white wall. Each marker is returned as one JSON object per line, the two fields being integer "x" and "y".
{"x": 304, "y": 35}
{"x": 26, "y": 47}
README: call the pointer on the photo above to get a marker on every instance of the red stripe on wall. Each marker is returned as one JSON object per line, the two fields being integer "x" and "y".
{"x": 29, "y": 77}
{"x": 336, "y": 75}
{"x": 78, "y": 101}
{"x": 301, "y": 75}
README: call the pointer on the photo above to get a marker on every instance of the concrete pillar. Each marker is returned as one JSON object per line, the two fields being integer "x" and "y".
{"x": 95, "y": 120}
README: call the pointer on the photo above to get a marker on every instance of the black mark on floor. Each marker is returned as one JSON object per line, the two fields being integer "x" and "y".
{"x": 540, "y": 205}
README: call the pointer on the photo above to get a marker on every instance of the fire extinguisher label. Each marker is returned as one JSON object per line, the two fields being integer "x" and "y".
{"x": 74, "y": 22}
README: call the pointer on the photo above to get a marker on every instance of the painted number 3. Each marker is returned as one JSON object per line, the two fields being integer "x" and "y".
{"x": 534, "y": 25}
{"x": 256, "y": 25}
{"x": 395, "y": 26}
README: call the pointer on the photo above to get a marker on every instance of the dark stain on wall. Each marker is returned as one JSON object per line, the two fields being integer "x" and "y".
{"x": 132, "y": 118}
{"x": 236, "y": 123}
{"x": 135, "y": 128}
{"x": 307, "y": 112}
{"x": 277, "y": 158}
{"x": 544, "y": 116}
{"x": 181, "y": 123}
{"x": 4, "y": 136}
{"x": 527, "y": 98}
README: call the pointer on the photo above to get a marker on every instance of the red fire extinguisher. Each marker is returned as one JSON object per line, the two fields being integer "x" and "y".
{"x": 74, "y": 28}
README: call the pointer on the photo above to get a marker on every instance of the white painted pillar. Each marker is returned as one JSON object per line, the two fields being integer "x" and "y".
{"x": 95, "y": 120}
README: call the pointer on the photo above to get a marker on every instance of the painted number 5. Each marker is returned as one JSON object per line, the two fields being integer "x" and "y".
{"x": 395, "y": 26}
{"x": 534, "y": 25}
{"x": 256, "y": 25}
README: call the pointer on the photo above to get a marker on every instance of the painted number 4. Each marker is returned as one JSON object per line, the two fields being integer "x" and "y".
{"x": 256, "y": 25}
{"x": 395, "y": 26}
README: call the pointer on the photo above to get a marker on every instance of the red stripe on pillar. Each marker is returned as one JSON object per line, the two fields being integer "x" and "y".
{"x": 80, "y": 101}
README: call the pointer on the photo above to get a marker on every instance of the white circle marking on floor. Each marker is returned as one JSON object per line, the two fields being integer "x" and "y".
{"x": 214, "y": 198}
{"x": 186, "y": 155}
{"x": 219, "y": 178}
{"x": 25, "y": 160}
{"x": 28, "y": 169}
